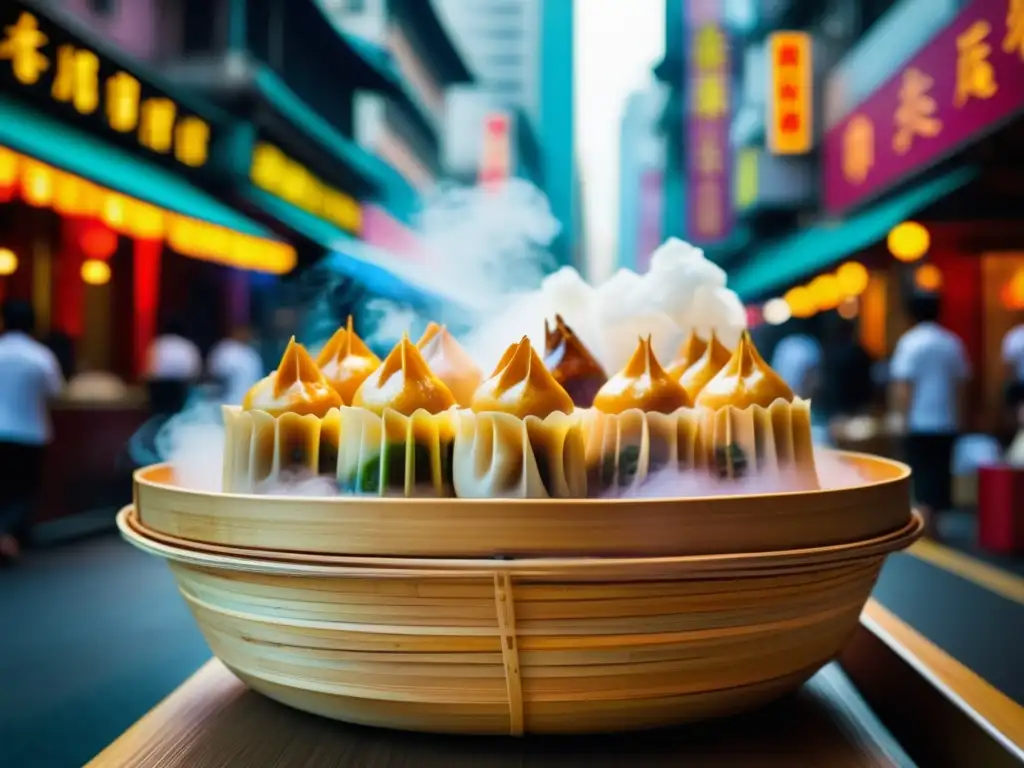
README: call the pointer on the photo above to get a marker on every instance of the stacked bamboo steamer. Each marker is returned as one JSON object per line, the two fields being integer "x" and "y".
{"x": 535, "y": 616}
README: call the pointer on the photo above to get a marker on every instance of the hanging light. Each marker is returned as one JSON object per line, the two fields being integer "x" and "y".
{"x": 776, "y": 311}
{"x": 928, "y": 277}
{"x": 98, "y": 241}
{"x": 114, "y": 210}
{"x": 849, "y": 308}
{"x": 8, "y": 167}
{"x": 37, "y": 184}
{"x": 853, "y": 278}
{"x": 908, "y": 241}
{"x": 8, "y": 262}
{"x": 95, "y": 272}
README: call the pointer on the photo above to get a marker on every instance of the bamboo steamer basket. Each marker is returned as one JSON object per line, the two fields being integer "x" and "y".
{"x": 627, "y": 527}
{"x": 545, "y": 644}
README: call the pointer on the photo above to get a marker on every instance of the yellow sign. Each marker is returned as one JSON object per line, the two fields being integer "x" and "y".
{"x": 790, "y": 99}
{"x": 274, "y": 172}
{"x": 975, "y": 77}
{"x": 916, "y": 113}
{"x": 76, "y": 81}
{"x": 745, "y": 189}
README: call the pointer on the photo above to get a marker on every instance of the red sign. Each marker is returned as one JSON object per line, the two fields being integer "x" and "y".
{"x": 965, "y": 82}
{"x": 495, "y": 157}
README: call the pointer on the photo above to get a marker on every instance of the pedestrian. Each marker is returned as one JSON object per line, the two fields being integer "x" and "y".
{"x": 1013, "y": 360}
{"x": 235, "y": 365}
{"x": 30, "y": 376}
{"x": 929, "y": 375}
{"x": 173, "y": 365}
{"x": 797, "y": 359}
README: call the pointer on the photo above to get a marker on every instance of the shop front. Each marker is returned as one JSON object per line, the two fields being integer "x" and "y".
{"x": 106, "y": 223}
{"x": 929, "y": 146}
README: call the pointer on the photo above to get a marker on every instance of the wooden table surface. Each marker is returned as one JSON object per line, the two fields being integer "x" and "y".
{"x": 214, "y": 721}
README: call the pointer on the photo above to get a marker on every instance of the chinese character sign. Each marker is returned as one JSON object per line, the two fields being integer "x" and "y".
{"x": 42, "y": 61}
{"x": 789, "y": 96}
{"x": 706, "y": 141}
{"x": 969, "y": 79}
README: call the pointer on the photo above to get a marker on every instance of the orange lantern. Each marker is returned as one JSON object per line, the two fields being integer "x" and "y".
{"x": 98, "y": 241}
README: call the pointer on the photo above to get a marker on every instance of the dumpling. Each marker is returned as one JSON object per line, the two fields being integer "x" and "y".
{"x": 397, "y": 436}
{"x": 752, "y": 421}
{"x": 571, "y": 363}
{"x": 642, "y": 421}
{"x": 710, "y": 362}
{"x": 521, "y": 437}
{"x": 450, "y": 363}
{"x": 346, "y": 361}
{"x": 278, "y": 427}
{"x": 689, "y": 353}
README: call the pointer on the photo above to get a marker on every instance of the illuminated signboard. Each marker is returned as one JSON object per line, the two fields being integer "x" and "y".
{"x": 40, "y": 60}
{"x": 967, "y": 81}
{"x": 709, "y": 215}
{"x": 495, "y": 154}
{"x": 274, "y": 172}
{"x": 789, "y": 96}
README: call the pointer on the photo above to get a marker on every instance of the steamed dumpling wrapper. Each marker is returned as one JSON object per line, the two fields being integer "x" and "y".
{"x": 346, "y": 361}
{"x": 397, "y": 436}
{"x": 754, "y": 423}
{"x": 641, "y": 422}
{"x": 521, "y": 438}
{"x": 571, "y": 363}
{"x": 450, "y": 363}
{"x": 277, "y": 430}
{"x": 713, "y": 359}
{"x": 689, "y": 353}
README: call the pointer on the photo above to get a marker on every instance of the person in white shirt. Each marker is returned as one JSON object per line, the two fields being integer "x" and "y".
{"x": 1013, "y": 360}
{"x": 929, "y": 373}
{"x": 235, "y": 364}
{"x": 30, "y": 376}
{"x": 173, "y": 364}
{"x": 797, "y": 359}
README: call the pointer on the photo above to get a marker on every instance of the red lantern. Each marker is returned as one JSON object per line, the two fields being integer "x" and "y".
{"x": 98, "y": 241}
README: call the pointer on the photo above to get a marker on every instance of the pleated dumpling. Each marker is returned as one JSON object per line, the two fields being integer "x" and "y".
{"x": 397, "y": 436}
{"x": 572, "y": 364}
{"x": 713, "y": 359}
{"x": 450, "y": 363}
{"x": 346, "y": 361}
{"x": 277, "y": 430}
{"x": 641, "y": 423}
{"x": 752, "y": 421}
{"x": 521, "y": 437}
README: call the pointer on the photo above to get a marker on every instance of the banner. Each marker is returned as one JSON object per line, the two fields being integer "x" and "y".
{"x": 709, "y": 215}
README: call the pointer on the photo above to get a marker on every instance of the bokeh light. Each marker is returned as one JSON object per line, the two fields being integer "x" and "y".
{"x": 1012, "y": 294}
{"x": 928, "y": 277}
{"x": 776, "y": 311}
{"x": 801, "y": 302}
{"x": 849, "y": 308}
{"x": 95, "y": 272}
{"x": 826, "y": 292}
{"x": 853, "y": 278}
{"x": 8, "y": 262}
{"x": 908, "y": 241}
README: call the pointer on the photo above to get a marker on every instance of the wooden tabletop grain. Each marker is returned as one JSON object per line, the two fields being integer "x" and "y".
{"x": 213, "y": 721}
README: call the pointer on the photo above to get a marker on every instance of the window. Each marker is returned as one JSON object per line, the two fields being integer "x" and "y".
{"x": 102, "y": 7}
{"x": 506, "y": 86}
{"x": 505, "y": 59}
{"x": 504, "y": 33}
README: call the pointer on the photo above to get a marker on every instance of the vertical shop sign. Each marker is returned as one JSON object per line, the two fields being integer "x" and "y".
{"x": 789, "y": 96}
{"x": 709, "y": 215}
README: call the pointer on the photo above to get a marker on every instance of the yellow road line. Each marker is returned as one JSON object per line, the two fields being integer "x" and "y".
{"x": 984, "y": 575}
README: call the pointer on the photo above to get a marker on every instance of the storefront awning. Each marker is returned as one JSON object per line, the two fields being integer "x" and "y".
{"x": 33, "y": 133}
{"x": 382, "y": 273}
{"x": 783, "y": 262}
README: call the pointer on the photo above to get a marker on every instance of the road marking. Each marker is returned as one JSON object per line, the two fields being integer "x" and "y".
{"x": 984, "y": 575}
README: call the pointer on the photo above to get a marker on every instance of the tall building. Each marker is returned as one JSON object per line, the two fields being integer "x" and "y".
{"x": 641, "y": 177}
{"x": 522, "y": 54}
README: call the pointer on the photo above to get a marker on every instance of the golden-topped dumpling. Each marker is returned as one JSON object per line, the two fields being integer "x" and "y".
{"x": 450, "y": 363}
{"x": 521, "y": 386}
{"x": 297, "y": 386}
{"x": 404, "y": 383}
{"x": 714, "y": 358}
{"x": 642, "y": 385}
{"x": 571, "y": 363}
{"x": 346, "y": 361}
{"x": 689, "y": 354}
{"x": 746, "y": 380}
